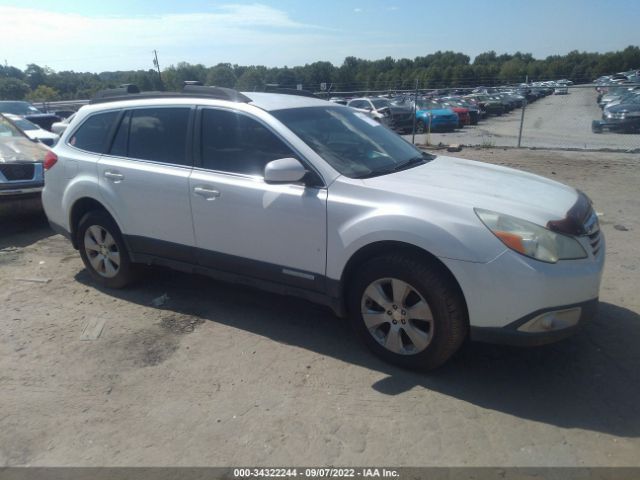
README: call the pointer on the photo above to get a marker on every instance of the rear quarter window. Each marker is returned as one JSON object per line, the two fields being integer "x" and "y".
{"x": 92, "y": 135}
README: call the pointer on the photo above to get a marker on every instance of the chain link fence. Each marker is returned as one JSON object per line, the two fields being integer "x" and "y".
{"x": 566, "y": 119}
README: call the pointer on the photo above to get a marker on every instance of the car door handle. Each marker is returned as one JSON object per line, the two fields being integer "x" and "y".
{"x": 206, "y": 192}
{"x": 114, "y": 176}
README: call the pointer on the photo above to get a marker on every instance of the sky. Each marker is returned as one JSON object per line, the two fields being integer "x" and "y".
{"x": 103, "y": 35}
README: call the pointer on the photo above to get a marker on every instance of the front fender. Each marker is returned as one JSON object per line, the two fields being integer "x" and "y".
{"x": 446, "y": 232}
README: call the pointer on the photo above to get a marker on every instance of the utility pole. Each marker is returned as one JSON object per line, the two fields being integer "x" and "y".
{"x": 415, "y": 106}
{"x": 157, "y": 65}
{"x": 524, "y": 106}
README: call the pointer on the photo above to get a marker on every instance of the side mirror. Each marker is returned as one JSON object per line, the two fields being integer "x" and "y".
{"x": 284, "y": 170}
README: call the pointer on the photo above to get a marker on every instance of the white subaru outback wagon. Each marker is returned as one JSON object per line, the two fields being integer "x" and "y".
{"x": 304, "y": 197}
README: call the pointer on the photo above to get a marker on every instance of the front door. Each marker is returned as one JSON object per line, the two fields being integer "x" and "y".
{"x": 242, "y": 224}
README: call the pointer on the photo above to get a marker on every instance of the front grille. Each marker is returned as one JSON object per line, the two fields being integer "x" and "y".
{"x": 594, "y": 240}
{"x": 14, "y": 172}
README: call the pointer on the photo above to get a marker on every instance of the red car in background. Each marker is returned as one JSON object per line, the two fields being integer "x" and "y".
{"x": 463, "y": 115}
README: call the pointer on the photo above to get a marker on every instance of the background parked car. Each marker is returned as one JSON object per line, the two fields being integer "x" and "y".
{"x": 624, "y": 117}
{"x": 433, "y": 116}
{"x": 455, "y": 102}
{"x": 22, "y": 164}
{"x": 33, "y": 131}
{"x": 28, "y": 111}
{"x": 377, "y": 108}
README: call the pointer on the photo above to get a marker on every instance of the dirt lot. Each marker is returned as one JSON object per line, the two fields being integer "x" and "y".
{"x": 555, "y": 121}
{"x": 221, "y": 375}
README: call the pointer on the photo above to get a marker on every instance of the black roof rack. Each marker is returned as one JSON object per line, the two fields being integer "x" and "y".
{"x": 191, "y": 89}
{"x": 289, "y": 91}
{"x": 215, "y": 92}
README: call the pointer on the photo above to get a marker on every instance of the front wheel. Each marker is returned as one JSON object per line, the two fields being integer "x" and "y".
{"x": 407, "y": 311}
{"x": 103, "y": 251}
{"x": 420, "y": 127}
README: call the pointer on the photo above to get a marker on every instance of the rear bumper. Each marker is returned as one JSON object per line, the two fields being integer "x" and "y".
{"x": 512, "y": 334}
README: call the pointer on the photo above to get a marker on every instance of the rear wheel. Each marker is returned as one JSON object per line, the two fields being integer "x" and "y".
{"x": 420, "y": 127}
{"x": 407, "y": 311}
{"x": 103, "y": 251}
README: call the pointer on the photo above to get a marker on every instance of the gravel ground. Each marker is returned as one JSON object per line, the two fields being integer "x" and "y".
{"x": 556, "y": 121}
{"x": 220, "y": 375}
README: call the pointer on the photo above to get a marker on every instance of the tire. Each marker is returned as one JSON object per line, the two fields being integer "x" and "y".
{"x": 103, "y": 251}
{"x": 423, "y": 342}
{"x": 420, "y": 127}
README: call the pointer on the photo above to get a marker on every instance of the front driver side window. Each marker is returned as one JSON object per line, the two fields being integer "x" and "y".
{"x": 235, "y": 143}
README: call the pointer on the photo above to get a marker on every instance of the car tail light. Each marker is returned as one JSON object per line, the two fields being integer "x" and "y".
{"x": 50, "y": 160}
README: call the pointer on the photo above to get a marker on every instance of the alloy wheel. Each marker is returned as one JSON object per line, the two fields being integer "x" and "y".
{"x": 397, "y": 316}
{"x": 102, "y": 251}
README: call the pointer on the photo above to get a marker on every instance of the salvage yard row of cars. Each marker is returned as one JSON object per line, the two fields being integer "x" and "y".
{"x": 447, "y": 110}
{"x": 619, "y": 99}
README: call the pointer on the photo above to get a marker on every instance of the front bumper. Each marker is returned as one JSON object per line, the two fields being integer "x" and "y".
{"x": 21, "y": 185}
{"x": 616, "y": 124}
{"x": 515, "y": 334}
{"x": 505, "y": 293}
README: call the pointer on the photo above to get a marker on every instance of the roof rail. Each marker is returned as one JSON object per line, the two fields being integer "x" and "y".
{"x": 192, "y": 90}
{"x": 215, "y": 92}
{"x": 290, "y": 91}
{"x": 125, "y": 89}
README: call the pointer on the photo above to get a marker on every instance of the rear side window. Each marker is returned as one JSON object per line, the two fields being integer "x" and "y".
{"x": 157, "y": 134}
{"x": 92, "y": 134}
{"x": 235, "y": 143}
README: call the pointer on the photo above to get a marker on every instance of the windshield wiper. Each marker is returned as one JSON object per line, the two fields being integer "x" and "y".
{"x": 412, "y": 162}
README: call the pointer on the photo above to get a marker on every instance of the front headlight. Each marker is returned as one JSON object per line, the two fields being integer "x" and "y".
{"x": 530, "y": 239}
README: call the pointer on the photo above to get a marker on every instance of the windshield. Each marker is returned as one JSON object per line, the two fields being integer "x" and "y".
{"x": 7, "y": 129}
{"x": 380, "y": 103}
{"x": 352, "y": 143}
{"x": 25, "y": 125}
{"x": 18, "y": 108}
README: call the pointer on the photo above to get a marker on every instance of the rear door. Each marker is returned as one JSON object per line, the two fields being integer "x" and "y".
{"x": 244, "y": 225}
{"x": 144, "y": 179}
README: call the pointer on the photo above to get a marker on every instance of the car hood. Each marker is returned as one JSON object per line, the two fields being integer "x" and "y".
{"x": 474, "y": 184}
{"x": 35, "y": 134}
{"x": 15, "y": 149}
{"x": 624, "y": 108}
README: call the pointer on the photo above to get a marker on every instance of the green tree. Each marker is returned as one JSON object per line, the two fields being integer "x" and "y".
{"x": 222, "y": 75}
{"x": 36, "y": 75}
{"x": 250, "y": 80}
{"x": 12, "y": 89}
{"x": 43, "y": 94}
